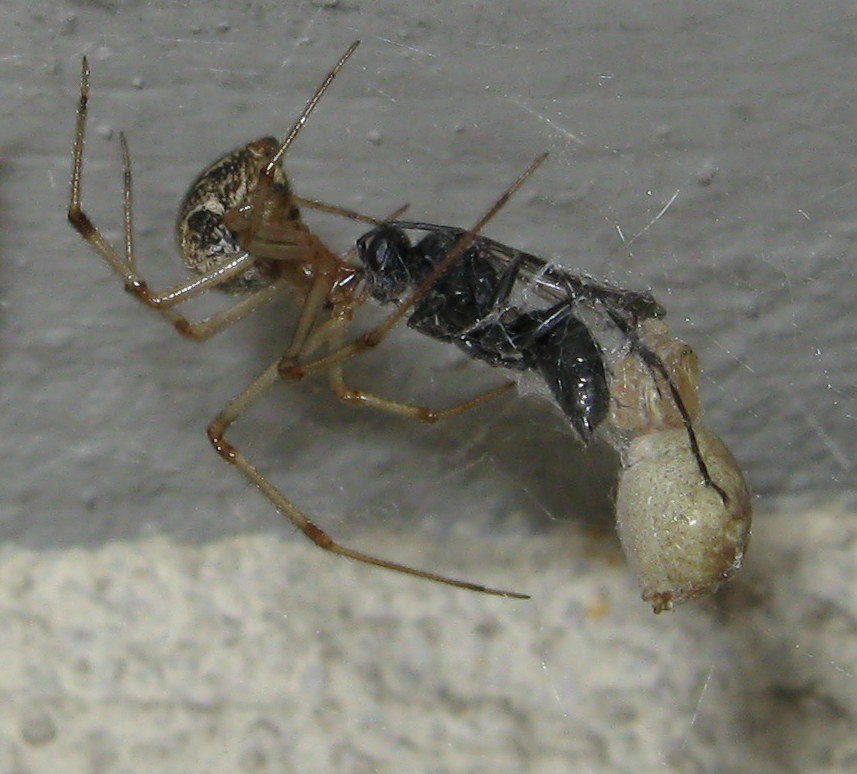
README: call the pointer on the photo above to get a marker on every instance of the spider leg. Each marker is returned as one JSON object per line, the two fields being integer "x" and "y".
{"x": 373, "y": 337}
{"x": 331, "y": 332}
{"x": 307, "y": 336}
{"x": 335, "y": 209}
{"x": 265, "y": 183}
{"x": 125, "y": 267}
{"x": 216, "y": 434}
{"x": 407, "y": 410}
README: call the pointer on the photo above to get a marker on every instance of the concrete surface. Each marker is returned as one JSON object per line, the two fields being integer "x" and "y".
{"x": 157, "y": 616}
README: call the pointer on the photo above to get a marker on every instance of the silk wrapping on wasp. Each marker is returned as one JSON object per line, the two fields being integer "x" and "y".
{"x": 683, "y": 508}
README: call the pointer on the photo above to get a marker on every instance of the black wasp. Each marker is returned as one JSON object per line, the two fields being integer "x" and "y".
{"x": 683, "y": 509}
{"x": 507, "y": 308}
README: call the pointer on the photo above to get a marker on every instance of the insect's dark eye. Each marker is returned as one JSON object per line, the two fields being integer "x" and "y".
{"x": 390, "y": 261}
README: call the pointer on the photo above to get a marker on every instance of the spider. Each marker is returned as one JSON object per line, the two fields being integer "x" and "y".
{"x": 239, "y": 230}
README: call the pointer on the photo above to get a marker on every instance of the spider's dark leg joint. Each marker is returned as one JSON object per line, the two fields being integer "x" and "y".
{"x": 290, "y": 371}
{"x": 186, "y": 329}
{"x": 138, "y": 287}
{"x": 318, "y": 536}
{"x": 81, "y": 222}
{"x": 221, "y": 446}
{"x": 371, "y": 339}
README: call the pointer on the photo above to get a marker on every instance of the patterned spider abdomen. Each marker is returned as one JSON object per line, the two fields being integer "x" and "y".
{"x": 205, "y": 241}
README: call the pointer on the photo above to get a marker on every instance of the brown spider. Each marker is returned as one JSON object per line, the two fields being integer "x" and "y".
{"x": 683, "y": 507}
{"x": 239, "y": 230}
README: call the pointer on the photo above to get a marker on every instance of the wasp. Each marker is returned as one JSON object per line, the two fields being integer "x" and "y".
{"x": 608, "y": 360}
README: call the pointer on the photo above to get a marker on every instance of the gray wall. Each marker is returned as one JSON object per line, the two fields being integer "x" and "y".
{"x": 739, "y": 116}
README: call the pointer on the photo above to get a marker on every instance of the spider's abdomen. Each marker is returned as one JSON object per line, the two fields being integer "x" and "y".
{"x": 228, "y": 184}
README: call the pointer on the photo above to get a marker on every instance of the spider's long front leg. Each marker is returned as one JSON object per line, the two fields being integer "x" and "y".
{"x": 163, "y": 301}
